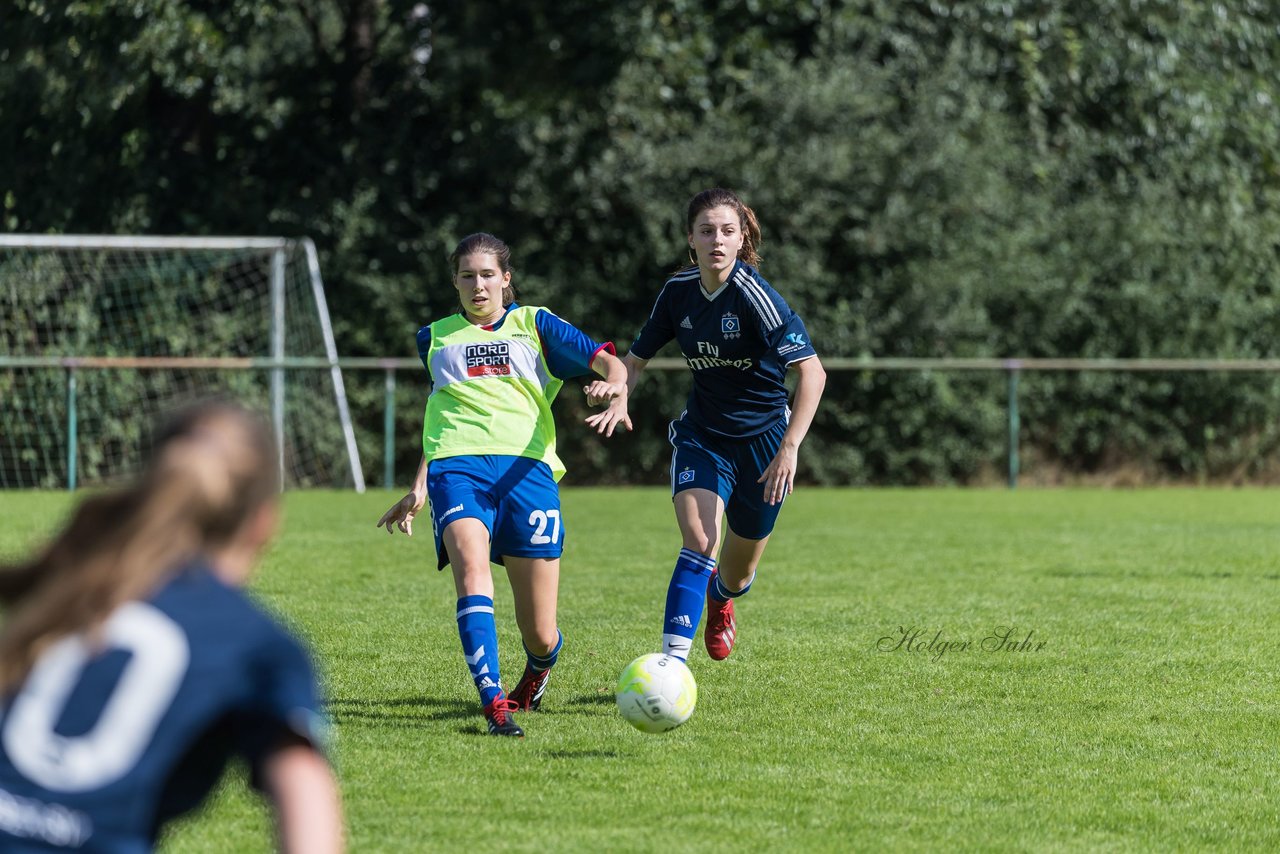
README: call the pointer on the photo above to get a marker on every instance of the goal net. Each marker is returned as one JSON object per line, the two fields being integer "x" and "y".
{"x": 100, "y": 336}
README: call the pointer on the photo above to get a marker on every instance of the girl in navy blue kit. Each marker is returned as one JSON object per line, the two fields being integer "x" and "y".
{"x": 734, "y": 447}
{"x": 132, "y": 667}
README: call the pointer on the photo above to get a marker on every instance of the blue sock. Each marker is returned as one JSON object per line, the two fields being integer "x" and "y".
{"x": 539, "y": 663}
{"x": 686, "y": 596}
{"x": 479, "y": 636}
{"x": 720, "y": 593}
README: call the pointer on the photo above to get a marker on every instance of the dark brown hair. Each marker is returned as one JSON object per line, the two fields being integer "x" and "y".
{"x": 482, "y": 243}
{"x": 211, "y": 468}
{"x": 718, "y": 196}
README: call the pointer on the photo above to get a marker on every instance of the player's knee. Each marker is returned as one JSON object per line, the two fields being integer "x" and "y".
{"x": 736, "y": 581}
{"x": 473, "y": 579}
{"x": 543, "y": 641}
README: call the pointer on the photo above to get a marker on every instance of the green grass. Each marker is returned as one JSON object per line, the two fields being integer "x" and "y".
{"x": 1148, "y": 720}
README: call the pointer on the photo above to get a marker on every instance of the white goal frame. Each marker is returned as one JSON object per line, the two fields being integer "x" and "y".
{"x": 279, "y": 248}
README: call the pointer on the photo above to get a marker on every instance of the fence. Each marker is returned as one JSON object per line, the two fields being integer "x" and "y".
{"x": 1012, "y": 367}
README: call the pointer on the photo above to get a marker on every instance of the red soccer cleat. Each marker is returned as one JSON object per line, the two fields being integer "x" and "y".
{"x": 721, "y": 631}
{"x": 529, "y": 690}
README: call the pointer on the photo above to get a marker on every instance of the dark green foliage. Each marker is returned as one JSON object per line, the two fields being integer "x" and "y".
{"x": 1094, "y": 179}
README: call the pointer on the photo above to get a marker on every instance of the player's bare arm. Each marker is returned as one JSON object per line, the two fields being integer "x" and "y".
{"x": 779, "y": 476}
{"x": 302, "y": 786}
{"x": 611, "y": 390}
{"x": 635, "y": 367}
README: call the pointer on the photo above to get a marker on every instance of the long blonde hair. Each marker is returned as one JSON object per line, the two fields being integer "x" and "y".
{"x": 211, "y": 468}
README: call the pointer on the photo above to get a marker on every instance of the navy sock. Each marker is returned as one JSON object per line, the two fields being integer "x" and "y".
{"x": 722, "y": 594}
{"x": 479, "y": 634}
{"x": 686, "y": 596}
{"x": 539, "y": 663}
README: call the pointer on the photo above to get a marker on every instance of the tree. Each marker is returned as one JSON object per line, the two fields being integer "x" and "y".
{"x": 986, "y": 178}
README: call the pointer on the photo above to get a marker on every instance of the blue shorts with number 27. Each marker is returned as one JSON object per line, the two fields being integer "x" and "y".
{"x": 515, "y": 497}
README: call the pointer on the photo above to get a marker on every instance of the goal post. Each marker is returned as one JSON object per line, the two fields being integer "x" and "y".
{"x": 335, "y": 369}
{"x": 101, "y": 334}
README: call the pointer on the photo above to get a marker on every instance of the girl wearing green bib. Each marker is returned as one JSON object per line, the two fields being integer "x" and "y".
{"x": 489, "y": 466}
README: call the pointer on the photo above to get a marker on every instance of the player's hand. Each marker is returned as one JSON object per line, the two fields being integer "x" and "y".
{"x": 603, "y": 392}
{"x": 613, "y": 417}
{"x": 779, "y": 476}
{"x": 401, "y": 515}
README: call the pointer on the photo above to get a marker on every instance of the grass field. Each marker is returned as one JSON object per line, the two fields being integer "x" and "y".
{"x": 1142, "y": 715}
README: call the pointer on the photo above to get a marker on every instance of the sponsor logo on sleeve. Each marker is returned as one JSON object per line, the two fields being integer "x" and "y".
{"x": 793, "y": 342}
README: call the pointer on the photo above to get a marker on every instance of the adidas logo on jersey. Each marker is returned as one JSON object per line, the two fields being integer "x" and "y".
{"x": 686, "y": 323}
{"x": 682, "y": 620}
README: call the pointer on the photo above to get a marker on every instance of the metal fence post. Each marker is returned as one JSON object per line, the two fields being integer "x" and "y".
{"x": 389, "y": 431}
{"x": 277, "y": 354}
{"x": 72, "y": 439}
{"x": 1014, "y": 370}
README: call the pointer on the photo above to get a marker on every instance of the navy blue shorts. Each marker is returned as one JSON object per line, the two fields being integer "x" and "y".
{"x": 515, "y": 497}
{"x": 729, "y": 468}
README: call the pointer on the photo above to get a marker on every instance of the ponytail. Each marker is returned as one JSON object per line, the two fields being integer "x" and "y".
{"x": 751, "y": 237}
{"x": 212, "y": 469}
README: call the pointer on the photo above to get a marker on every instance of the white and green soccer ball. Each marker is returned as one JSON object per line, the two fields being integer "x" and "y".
{"x": 656, "y": 692}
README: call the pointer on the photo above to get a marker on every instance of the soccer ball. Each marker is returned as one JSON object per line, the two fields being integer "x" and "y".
{"x": 656, "y": 692}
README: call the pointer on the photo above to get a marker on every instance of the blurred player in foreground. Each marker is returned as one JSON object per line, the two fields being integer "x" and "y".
{"x": 132, "y": 667}
{"x": 489, "y": 463}
{"x": 735, "y": 446}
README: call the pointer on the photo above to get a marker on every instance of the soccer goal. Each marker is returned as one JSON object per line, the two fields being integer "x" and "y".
{"x": 99, "y": 336}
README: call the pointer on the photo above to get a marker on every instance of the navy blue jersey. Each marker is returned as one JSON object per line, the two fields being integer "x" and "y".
{"x": 738, "y": 342}
{"x": 106, "y": 741}
{"x": 569, "y": 351}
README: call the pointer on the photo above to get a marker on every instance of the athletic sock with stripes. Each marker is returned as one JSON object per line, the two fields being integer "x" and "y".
{"x": 539, "y": 663}
{"x": 479, "y": 634}
{"x": 723, "y": 594}
{"x": 686, "y": 596}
